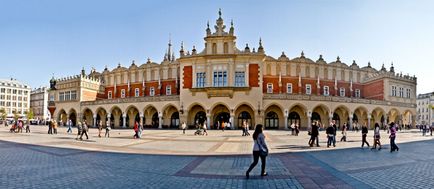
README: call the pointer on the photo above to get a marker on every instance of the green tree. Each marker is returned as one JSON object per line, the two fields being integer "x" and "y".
{"x": 3, "y": 114}
{"x": 30, "y": 114}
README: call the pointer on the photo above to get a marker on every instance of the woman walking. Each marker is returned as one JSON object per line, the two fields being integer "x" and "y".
{"x": 314, "y": 135}
{"x": 364, "y": 134}
{"x": 79, "y": 130}
{"x": 84, "y": 131}
{"x": 376, "y": 137}
{"x": 136, "y": 130}
{"x": 107, "y": 130}
{"x": 344, "y": 132}
{"x": 260, "y": 149}
{"x": 392, "y": 137}
{"x": 99, "y": 128}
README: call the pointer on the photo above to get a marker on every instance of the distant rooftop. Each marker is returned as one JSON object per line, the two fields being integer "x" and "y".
{"x": 13, "y": 83}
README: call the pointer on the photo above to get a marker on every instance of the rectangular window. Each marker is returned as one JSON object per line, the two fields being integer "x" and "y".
{"x": 137, "y": 92}
{"x": 14, "y": 91}
{"x": 393, "y": 90}
{"x": 357, "y": 93}
{"x": 401, "y": 92}
{"x": 73, "y": 95}
{"x": 14, "y": 97}
{"x": 269, "y": 88}
{"x": 9, "y": 91}
{"x": 239, "y": 79}
{"x": 408, "y": 93}
{"x": 61, "y": 96}
{"x": 110, "y": 95}
{"x": 326, "y": 91}
{"x": 168, "y": 90}
{"x": 342, "y": 92}
{"x": 200, "y": 79}
{"x": 308, "y": 89}
{"x": 67, "y": 95}
{"x": 20, "y": 92}
{"x": 123, "y": 93}
{"x": 151, "y": 91}
{"x": 220, "y": 79}
{"x": 3, "y": 90}
{"x": 51, "y": 98}
{"x": 289, "y": 88}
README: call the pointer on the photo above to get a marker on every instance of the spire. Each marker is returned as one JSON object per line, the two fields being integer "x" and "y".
{"x": 220, "y": 27}
{"x": 369, "y": 65}
{"x": 148, "y": 61}
{"x": 320, "y": 58}
{"x": 83, "y": 72}
{"x": 231, "y": 30}
{"x": 169, "y": 48}
{"x": 247, "y": 49}
{"x": 208, "y": 31}
{"x": 383, "y": 68}
{"x": 193, "y": 51}
{"x": 302, "y": 54}
{"x": 392, "y": 69}
{"x": 181, "y": 52}
{"x": 260, "y": 48}
{"x": 338, "y": 59}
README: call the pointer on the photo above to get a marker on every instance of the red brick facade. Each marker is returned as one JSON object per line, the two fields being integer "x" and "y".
{"x": 188, "y": 77}
{"x": 374, "y": 90}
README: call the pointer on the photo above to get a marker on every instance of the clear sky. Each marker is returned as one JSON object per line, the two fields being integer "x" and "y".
{"x": 42, "y": 37}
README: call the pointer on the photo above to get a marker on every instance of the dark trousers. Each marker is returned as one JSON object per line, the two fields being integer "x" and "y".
{"x": 329, "y": 140}
{"x": 84, "y": 133}
{"x": 256, "y": 155}
{"x": 69, "y": 130}
{"x": 344, "y": 138}
{"x": 393, "y": 145}
{"x": 50, "y": 130}
{"x": 107, "y": 133}
{"x": 55, "y": 131}
{"x": 183, "y": 131}
{"x": 312, "y": 140}
{"x": 334, "y": 140}
{"x": 364, "y": 140}
{"x": 27, "y": 129}
{"x": 377, "y": 142}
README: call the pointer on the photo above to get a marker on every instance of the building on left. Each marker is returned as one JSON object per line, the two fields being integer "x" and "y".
{"x": 39, "y": 104}
{"x": 14, "y": 97}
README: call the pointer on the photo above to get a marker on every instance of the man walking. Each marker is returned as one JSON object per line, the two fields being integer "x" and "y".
{"x": 392, "y": 137}
{"x": 364, "y": 134}
{"x": 85, "y": 130}
{"x": 330, "y": 133}
{"x": 69, "y": 123}
{"x": 107, "y": 130}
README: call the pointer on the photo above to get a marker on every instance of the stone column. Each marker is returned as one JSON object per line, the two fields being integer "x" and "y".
{"x": 208, "y": 121}
{"x": 94, "y": 120}
{"x": 309, "y": 121}
{"x": 160, "y": 120}
{"x": 350, "y": 121}
{"x": 286, "y": 119}
{"x": 108, "y": 120}
{"x": 141, "y": 118}
{"x": 369, "y": 121}
{"x": 124, "y": 116}
{"x": 232, "y": 121}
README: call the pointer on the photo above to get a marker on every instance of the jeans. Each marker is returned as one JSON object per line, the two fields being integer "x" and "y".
{"x": 329, "y": 140}
{"x": 107, "y": 133}
{"x": 364, "y": 140}
{"x": 84, "y": 133}
{"x": 69, "y": 129}
{"x": 334, "y": 140}
{"x": 393, "y": 145}
{"x": 256, "y": 155}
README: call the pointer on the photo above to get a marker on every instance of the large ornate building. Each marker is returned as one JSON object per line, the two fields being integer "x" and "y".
{"x": 223, "y": 83}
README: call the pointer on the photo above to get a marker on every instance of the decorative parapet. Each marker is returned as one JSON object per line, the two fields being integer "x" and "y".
{"x": 335, "y": 99}
{"x": 132, "y": 100}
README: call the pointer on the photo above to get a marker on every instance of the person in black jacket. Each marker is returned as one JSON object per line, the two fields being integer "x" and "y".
{"x": 314, "y": 134}
{"x": 330, "y": 131}
{"x": 364, "y": 134}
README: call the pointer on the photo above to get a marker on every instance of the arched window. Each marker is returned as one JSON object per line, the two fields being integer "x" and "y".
{"x": 225, "y": 48}
{"x": 272, "y": 120}
{"x": 200, "y": 117}
{"x": 294, "y": 117}
{"x": 214, "y": 48}
{"x": 155, "y": 120}
{"x": 244, "y": 116}
{"x": 315, "y": 117}
{"x": 174, "y": 120}
{"x": 337, "y": 119}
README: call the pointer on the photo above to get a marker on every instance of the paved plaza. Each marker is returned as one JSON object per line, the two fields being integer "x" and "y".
{"x": 169, "y": 159}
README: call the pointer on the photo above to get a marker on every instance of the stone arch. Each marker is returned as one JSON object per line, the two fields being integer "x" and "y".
{"x": 360, "y": 117}
{"x": 87, "y": 117}
{"x": 149, "y": 113}
{"x": 343, "y": 113}
{"x": 408, "y": 118}
{"x": 62, "y": 117}
{"x": 300, "y": 110}
{"x": 116, "y": 119}
{"x": 132, "y": 116}
{"x": 273, "y": 117}
{"x": 101, "y": 115}
{"x": 394, "y": 116}
{"x": 72, "y": 114}
{"x": 323, "y": 111}
{"x": 378, "y": 115}
{"x": 170, "y": 120}
{"x": 244, "y": 112}
{"x": 220, "y": 113}
{"x": 196, "y": 113}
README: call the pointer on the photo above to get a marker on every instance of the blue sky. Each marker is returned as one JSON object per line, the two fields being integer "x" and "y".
{"x": 42, "y": 37}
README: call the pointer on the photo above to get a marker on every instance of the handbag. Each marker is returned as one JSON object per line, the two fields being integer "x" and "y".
{"x": 262, "y": 152}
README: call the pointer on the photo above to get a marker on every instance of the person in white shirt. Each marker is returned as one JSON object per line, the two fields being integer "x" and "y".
{"x": 260, "y": 149}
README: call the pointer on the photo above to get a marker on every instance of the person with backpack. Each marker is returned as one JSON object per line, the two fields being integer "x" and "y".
{"x": 376, "y": 137}
{"x": 107, "y": 130}
{"x": 364, "y": 134}
{"x": 260, "y": 150}
{"x": 79, "y": 130}
{"x": 85, "y": 130}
